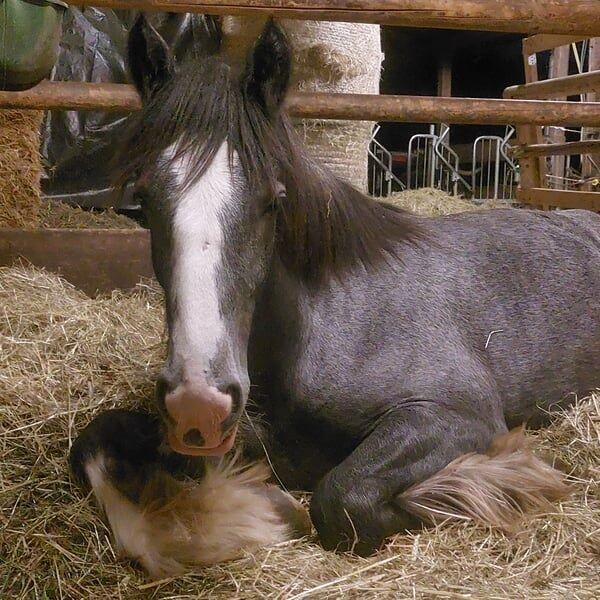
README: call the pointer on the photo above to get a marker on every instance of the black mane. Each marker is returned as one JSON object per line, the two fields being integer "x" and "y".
{"x": 324, "y": 225}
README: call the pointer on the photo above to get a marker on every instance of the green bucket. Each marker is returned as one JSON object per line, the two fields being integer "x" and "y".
{"x": 29, "y": 41}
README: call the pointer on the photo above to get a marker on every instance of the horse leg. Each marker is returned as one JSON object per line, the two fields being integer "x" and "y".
{"x": 354, "y": 504}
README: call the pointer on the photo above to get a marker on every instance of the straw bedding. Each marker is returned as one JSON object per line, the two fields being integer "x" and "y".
{"x": 430, "y": 201}
{"x": 58, "y": 215}
{"x": 64, "y": 357}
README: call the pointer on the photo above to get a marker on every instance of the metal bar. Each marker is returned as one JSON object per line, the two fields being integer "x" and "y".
{"x": 497, "y": 169}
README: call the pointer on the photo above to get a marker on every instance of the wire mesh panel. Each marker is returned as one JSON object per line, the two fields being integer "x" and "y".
{"x": 574, "y": 172}
{"x": 577, "y": 171}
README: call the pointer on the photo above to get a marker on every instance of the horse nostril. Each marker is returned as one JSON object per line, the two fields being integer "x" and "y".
{"x": 163, "y": 386}
{"x": 235, "y": 391}
{"x": 193, "y": 437}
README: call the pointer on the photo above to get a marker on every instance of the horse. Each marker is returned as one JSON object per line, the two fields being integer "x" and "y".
{"x": 387, "y": 354}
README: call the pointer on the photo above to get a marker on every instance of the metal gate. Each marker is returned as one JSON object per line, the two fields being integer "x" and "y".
{"x": 422, "y": 165}
{"x": 495, "y": 174}
{"x": 433, "y": 163}
{"x": 381, "y": 175}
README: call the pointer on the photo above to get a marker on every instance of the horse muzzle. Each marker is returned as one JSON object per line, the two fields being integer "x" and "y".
{"x": 202, "y": 420}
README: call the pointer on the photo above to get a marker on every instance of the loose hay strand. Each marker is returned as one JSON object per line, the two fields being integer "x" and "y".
{"x": 64, "y": 357}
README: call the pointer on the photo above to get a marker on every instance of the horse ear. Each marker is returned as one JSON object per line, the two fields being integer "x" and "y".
{"x": 150, "y": 60}
{"x": 268, "y": 68}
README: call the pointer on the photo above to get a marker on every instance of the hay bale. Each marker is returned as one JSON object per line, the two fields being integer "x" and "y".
{"x": 65, "y": 357}
{"x": 20, "y": 168}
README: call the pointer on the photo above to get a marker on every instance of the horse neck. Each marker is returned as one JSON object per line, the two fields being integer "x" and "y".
{"x": 279, "y": 324}
{"x": 283, "y": 298}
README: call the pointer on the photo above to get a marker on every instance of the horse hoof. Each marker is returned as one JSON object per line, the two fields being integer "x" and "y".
{"x": 290, "y": 510}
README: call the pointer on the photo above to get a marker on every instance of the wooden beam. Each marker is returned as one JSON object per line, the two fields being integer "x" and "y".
{"x": 354, "y": 107}
{"x": 559, "y": 198}
{"x": 539, "y": 43}
{"x": 559, "y": 87}
{"x": 74, "y": 95}
{"x": 568, "y": 17}
{"x": 94, "y": 260}
{"x": 425, "y": 109}
{"x": 562, "y": 149}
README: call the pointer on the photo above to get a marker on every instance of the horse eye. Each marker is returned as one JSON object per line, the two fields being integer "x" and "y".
{"x": 280, "y": 191}
{"x": 271, "y": 207}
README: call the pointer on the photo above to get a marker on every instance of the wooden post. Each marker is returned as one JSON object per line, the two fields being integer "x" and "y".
{"x": 559, "y": 67}
{"x": 530, "y": 167}
{"x": 444, "y": 79}
{"x": 590, "y": 163}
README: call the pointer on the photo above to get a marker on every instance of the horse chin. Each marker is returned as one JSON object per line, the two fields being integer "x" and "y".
{"x": 225, "y": 446}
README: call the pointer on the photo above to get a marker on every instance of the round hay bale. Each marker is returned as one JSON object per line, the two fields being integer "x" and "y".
{"x": 337, "y": 58}
{"x": 328, "y": 57}
{"x": 20, "y": 168}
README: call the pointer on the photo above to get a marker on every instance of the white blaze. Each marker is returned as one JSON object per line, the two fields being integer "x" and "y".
{"x": 197, "y": 245}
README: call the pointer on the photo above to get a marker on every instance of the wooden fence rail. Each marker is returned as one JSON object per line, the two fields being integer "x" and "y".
{"x": 559, "y": 87}
{"x": 541, "y": 42}
{"x": 564, "y": 149}
{"x": 358, "y": 107}
{"x": 567, "y": 17}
